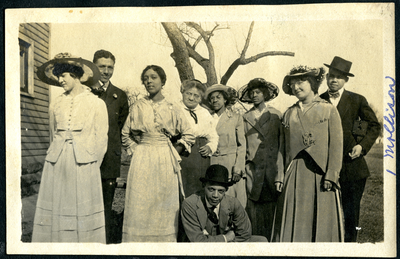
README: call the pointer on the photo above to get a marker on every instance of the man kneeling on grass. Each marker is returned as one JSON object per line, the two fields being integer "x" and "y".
{"x": 211, "y": 216}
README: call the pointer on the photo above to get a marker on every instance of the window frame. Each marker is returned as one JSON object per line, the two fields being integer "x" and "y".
{"x": 31, "y": 65}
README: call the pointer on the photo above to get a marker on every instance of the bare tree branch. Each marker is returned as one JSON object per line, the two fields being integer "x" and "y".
{"x": 268, "y": 53}
{"x": 210, "y": 65}
{"x": 246, "y": 45}
{"x": 241, "y": 61}
{"x": 209, "y": 34}
{"x": 180, "y": 53}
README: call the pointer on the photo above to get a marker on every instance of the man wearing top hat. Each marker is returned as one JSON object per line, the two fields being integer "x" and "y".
{"x": 118, "y": 109}
{"x": 360, "y": 130}
{"x": 211, "y": 216}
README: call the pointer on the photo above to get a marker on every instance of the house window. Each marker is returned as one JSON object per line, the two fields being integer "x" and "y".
{"x": 26, "y": 61}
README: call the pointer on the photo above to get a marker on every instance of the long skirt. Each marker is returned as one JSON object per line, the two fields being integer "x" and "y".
{"x": 193, "y": 167}
{"x": 238, "y": 190}
{"x": 70, "y": 202}
{"x": 305, "y": 212}
{"x": 152, "y": 194}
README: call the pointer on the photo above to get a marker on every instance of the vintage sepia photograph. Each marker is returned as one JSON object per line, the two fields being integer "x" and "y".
{"x": 269, "y": 128}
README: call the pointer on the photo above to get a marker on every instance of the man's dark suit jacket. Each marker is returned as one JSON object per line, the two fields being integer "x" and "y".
{"x": 351, "y": 107}
{"x": 118, "y": 109}
{"x": 194, "y": 219}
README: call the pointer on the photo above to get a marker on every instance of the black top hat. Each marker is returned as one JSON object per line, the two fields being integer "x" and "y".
{"x": 217, "y": 174}
{"x": 341, "y": 65}
{"x": 258, "y": 83}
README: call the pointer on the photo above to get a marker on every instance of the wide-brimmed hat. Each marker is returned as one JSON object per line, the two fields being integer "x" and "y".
{"x": 216, "y": 87}
{"x": 90, "y": 76}
{"x": 217, "y": 174}
{"x": 230, "y": 91}
{"x": 341, "y": 65}
{"x": 259, "y": 83}
{"x": 300, "y": 71}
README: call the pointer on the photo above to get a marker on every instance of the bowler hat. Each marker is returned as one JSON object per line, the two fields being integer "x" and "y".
{"x": 90, "y": 76}
{"x": 341, "y": 65}
{"x": 260, "y": 83}
{"x": 217, "y": 174}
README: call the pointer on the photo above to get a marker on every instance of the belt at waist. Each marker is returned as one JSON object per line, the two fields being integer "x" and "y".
{"x": 154, "y": 139}
{"x": 66, "y": 134}
{"x": 224, "y": 152}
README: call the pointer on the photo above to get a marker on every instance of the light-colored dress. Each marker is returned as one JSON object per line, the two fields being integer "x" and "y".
{"x": 70, "y": 200}
{"x": 305, "y": 211}
{"x": 152, "y": 193}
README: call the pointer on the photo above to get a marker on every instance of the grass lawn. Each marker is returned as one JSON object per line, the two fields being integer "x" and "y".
{"x": 371, "y": 214}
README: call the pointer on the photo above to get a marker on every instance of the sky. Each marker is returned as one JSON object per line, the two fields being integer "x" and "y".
{"x": 136, "y": 45}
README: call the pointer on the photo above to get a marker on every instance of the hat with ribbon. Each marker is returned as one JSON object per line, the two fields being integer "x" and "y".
{"x": 91, "y": 74}
{"x": 341, "y": 65}
{"x": 259, "y": 83}
{"x": 217, "y": 174}
{"x": 299, "y": 71}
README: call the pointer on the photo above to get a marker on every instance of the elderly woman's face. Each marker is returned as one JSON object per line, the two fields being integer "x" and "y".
{"x": 152, "y": 82}
{"x": 191, "y": 97}
{"x": 67, "y": 81}
{"x": 217, "y": 100}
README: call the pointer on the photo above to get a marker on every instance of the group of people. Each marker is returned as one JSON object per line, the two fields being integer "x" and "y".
{"x": 199, "y": 171}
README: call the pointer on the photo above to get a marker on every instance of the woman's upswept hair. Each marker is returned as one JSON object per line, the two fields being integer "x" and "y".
{"x": 158, "y": 70}
{"x": 75, "y": 71}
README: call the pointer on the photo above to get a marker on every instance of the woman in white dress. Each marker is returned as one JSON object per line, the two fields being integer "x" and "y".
{"x": 70, "y": 200}
{"x": 152, "y": 193}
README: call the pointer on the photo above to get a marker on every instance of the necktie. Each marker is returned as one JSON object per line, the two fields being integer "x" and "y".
{"x": 194, "y": 116}
{"x": 99, "y": 91}
{"x": 212, "y": 215}
{"x": 333, "y": 95}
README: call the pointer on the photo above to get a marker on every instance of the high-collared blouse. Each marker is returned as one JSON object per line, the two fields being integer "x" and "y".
{"x": 82, "y": 119}
{"x": 317, "y": 129}
{"x": 161, "y": 117}
{"x": 205, "y": 127}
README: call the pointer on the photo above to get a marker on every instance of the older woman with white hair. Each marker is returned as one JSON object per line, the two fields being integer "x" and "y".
{"x": 196, "y": 163}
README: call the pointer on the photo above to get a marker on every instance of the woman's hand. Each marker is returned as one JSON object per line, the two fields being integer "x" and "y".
{"x": 236, "y": 174}
{"x": 328, "y": 185}
{"x": 205, "y": 150}
{"x": 278, "y": 186}
{"x": 179, "y": 148}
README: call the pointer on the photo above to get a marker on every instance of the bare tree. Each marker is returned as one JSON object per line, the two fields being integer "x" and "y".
{"x": 181, "y": 38}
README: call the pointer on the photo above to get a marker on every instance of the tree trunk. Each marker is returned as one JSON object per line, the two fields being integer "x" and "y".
{"x": 180, "y": 53}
